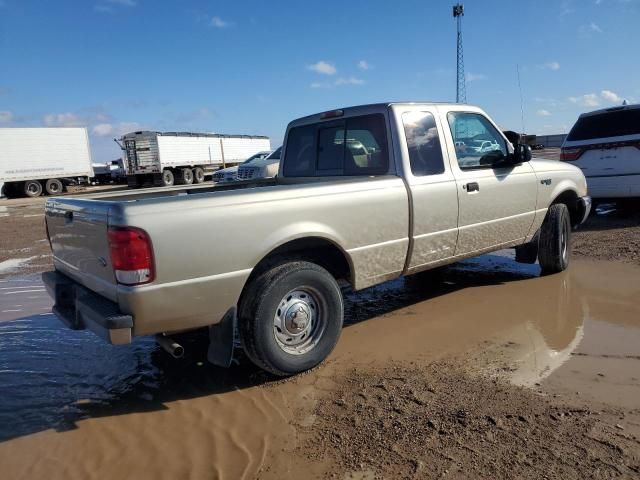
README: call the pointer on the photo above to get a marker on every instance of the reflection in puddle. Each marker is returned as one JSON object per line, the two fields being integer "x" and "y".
{"x": 53, "y": 378}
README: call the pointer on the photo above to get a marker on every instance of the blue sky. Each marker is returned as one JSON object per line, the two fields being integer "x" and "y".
{"x": 251, "y": 66}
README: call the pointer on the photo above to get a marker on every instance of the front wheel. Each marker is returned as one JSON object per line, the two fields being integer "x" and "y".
{"x": 291, "y": 317}
{"x": 554, "y": 246}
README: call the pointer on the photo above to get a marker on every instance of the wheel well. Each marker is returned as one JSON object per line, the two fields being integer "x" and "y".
{"x": 317, "y": 250}
{"x": 570, "y": 199}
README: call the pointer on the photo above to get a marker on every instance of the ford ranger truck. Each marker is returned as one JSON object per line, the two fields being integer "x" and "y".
{"x": 363, "y": 195}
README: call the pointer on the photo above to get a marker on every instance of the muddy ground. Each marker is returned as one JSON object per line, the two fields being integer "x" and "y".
{"x": 488, "y": 371}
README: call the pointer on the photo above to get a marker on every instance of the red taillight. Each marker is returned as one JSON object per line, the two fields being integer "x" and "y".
{"x": 332, "y": 114}
{"x": 570, "y": 154}
{"x": 131, "y": 255}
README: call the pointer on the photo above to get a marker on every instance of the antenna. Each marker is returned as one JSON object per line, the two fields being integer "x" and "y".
{"x": 521, "y": 102}
{"x": 461, "y": 89}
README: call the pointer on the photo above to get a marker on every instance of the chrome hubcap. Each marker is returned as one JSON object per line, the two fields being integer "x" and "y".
{"x": 298, "y": 323}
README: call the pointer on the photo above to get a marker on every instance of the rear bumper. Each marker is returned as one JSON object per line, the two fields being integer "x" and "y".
{"x": 80, "y": 308}
{"x": 584, "y": 207}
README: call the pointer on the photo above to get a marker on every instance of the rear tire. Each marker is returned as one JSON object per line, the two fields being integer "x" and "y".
{"x": 32, "y": 188}
{"x": 290, "y": 317}
{"x": 198, "y": 175}
{"x": 186, "y": 176}
{"x": 167, "y": 178}
{"x": 554, "y": 247}
{"x": 54, "y": 187}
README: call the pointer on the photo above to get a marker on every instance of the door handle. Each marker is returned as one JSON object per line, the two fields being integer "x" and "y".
{"x": 471, "y": 187}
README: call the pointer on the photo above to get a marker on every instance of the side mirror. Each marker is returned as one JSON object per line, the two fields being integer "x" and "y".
{"x": 522, "y": 153}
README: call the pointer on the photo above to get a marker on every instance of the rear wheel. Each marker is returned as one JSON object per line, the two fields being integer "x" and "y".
{"x": 54, "y": 186}
{"x": 32, "y": 188}
{"x": 167, "y": 178}
{"x": 554, "y": 247}
{"x": 291, "y": 317}
{"x": 198, "y": 175}
{"x": 186, "y": 176}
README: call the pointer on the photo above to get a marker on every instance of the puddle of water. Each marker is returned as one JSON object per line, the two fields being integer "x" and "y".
{"x": 132, "y": 411}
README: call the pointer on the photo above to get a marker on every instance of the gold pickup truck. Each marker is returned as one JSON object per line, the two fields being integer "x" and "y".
{"x": 363, "y": 195}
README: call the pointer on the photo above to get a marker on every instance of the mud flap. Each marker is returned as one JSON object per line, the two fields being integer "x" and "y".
{"x": 221, "y": 340}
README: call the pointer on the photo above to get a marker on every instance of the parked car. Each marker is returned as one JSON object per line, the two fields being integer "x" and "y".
{"x": 230, "y": 174}
{"x": 264, "y": 168}
{"x": 141, "y": 263}
{"x": 605, "y": 145}
{"x": 483, "y": 146}
{"x": 538, "y": 146}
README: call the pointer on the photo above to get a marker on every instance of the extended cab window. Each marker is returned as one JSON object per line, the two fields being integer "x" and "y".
{"x": 353, "y": 146}
{"x": 478, "y": 144}
{"x": 423, "y": 143}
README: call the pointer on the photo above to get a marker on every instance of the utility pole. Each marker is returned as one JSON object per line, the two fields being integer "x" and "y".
{"x": 461, "y": 89}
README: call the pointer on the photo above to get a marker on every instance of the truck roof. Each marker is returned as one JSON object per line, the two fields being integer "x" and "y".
{"x": 364, "y": 109}
{"x": 611, "y": 109}
{"x": 191, "y": 134}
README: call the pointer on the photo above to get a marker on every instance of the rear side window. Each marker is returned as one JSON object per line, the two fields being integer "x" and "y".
{"x": 608, "y": 124}
{"x": 423, "y": 143}
{"x": 353, "y": 146}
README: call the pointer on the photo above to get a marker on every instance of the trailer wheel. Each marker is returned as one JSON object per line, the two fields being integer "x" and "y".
{"x": 198, "y": 175}
{"x": 32, "y": 188}
{"x": 167, "y": 178}
{"x": 53, "y": 187}
{"x": 290, "y": 317}
{"x": 186, "y": 176}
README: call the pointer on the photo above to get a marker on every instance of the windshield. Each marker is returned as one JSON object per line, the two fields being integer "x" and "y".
{"x": 607, "y": 124}
{"x": 275, "y": 155}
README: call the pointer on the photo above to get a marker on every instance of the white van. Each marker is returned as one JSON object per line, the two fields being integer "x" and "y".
{"x": 605, "y": 145}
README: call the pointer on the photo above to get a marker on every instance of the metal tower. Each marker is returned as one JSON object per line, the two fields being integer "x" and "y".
{"x": 461, "y": 89}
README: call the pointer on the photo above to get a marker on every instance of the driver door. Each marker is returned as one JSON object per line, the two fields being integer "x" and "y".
{"x": 496, "y": 200}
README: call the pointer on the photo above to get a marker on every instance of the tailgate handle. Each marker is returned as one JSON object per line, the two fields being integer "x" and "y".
{"x": 68, "y": 217}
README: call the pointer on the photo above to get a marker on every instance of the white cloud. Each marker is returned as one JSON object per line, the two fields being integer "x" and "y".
{"x": 472, "y": 77}
{"x": 108, "y": 129}
{"x": 125, "y": 3}
{"x": 67, "y": 119}
{"x": 611, "y": 96}
{"x": 320, "y": 85}
{"x": 551, "y": 65}
{"x": 324, "y": 68}
{"x": 349, "y": 81}
{"x": 106, "y": 6}
{"x": 587, "y": 100}
{"x": 102, "y": 129}
{"x": 588, "y": 30}
{"x": 363, "y": 65}
{"x": 6, "y": 116}
{"x": 544, "y": 113}
{"x": 217, "y": 22}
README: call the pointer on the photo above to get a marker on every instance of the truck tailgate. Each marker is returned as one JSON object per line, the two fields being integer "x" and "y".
{"x": 78, "y": 233}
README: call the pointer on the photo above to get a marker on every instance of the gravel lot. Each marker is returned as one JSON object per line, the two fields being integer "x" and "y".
{"x": 431, "y": 385}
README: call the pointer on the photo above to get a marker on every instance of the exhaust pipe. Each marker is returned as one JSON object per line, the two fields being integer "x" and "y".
{"x": 170, "y": 346}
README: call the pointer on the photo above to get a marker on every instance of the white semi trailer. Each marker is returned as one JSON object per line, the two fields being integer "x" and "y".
{"x": 168, "y": 158}
{"x": 37, "y": 160}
